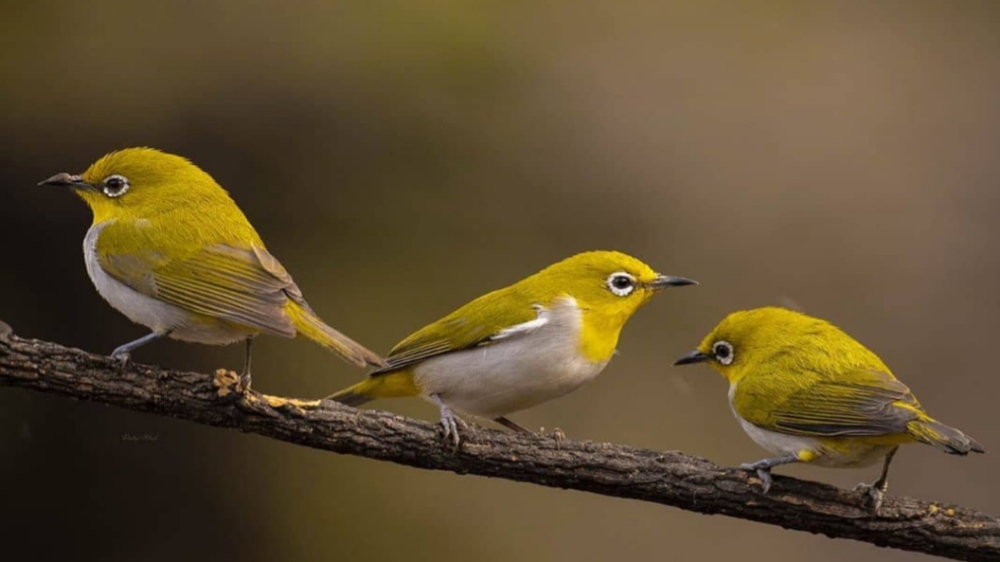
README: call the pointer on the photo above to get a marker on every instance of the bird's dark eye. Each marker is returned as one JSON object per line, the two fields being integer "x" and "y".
{"x": 723, "y": 352}
{"x": 621, "y": 284}
{"x": 115, "y": 186}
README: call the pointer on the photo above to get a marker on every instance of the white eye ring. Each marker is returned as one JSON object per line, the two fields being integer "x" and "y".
{"x": 723, "y": 352}
{"x": 115, "y": 185}
{"x": 621, "y": 283}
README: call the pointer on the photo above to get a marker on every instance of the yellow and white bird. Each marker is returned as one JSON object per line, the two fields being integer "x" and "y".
{"x": 170, "y": 250}
{"x": 806, "y": 391}
{"x": 519, "y": 346}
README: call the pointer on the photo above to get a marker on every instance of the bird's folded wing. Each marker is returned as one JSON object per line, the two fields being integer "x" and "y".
{"x": 855, "y": 404}
{"x": 247, "y": 287}
{"x": 475, "y": 324}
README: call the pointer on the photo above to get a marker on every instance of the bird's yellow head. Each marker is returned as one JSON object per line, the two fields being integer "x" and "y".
{"x": 137, "y": 183}
{"x": 608, "y": 287}
{"x": 605, "y": 283}
{"x": 769, "y": 341}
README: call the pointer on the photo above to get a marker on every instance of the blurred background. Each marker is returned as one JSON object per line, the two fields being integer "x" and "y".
{"x": 401, "y": 158}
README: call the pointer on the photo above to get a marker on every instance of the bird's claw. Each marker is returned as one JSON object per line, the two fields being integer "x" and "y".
{"x": 124, "y": 359}
{"x": 451, "y": 423}
{"x": 558, "y": 434}
{"x": 872, "y": 495}
{"x": 763, "y": 474}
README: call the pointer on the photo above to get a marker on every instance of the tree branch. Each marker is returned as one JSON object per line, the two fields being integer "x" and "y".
{"x": 668, "y": 478}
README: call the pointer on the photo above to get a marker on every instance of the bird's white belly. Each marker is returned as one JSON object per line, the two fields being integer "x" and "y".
{"x": 515, "y": 372}
{"x": 158, "y": 316}
{"x": 857, "y": 455}
{"x": 777, "y": 443}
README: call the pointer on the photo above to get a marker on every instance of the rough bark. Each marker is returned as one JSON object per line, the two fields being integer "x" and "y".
{"x": 668, "y": 478}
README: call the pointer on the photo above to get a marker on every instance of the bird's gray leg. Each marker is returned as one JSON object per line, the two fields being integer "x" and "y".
{"x": 763, "y": 468}
{"x": 123, "y": 353}
{"x": 876, "y": 490}
{"x": 511, "y": 425}
{"x": 245, "y": 378}
{"x": 449, "y": 421}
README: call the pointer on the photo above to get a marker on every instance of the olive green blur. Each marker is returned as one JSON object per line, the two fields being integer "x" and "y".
{"x": 403, "y": 158}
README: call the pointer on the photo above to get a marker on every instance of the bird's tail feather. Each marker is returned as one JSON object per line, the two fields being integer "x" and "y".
{"x": 392, "y": 385}
{"x": 948, "y": 439}
{"x": 309, "y": 325}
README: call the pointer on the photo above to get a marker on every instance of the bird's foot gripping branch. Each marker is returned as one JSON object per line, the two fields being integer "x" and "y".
{"x": 667, "y": 478}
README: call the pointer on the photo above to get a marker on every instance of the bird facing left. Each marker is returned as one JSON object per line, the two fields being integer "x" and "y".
{"x": 170, "y": 250}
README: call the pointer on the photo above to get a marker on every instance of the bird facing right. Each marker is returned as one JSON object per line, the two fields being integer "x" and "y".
{"x": 517, "y": 347}
{"x": 808, "y": 392}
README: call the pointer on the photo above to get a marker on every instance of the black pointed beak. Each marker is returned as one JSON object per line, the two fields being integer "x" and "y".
{"x": 66, "y": 180}
{"x": 664, "y": 281}
{"x": 693, "y": 357}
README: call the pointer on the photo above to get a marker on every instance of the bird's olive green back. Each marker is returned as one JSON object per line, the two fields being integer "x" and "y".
{"x": 247, "y": 287}
{"x": 469, "y": 326}
{"x": 802, "y": 375}
{"x": 582, "y": 277}
{"x": 855, "y": 403}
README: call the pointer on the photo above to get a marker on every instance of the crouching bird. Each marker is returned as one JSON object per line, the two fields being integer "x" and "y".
{"x": 170, "y": 250}
{"x": 808, "y": 392}
{"x": 519, "y": 346}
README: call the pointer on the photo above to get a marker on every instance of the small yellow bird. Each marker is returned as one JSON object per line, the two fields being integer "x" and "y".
{"x": 806, "y": 391}
{"x": 520, "y": 346}
{"x": 170, "y": 250}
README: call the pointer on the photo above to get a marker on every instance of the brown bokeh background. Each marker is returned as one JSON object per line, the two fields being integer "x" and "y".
{"x": 402, "y": 157}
